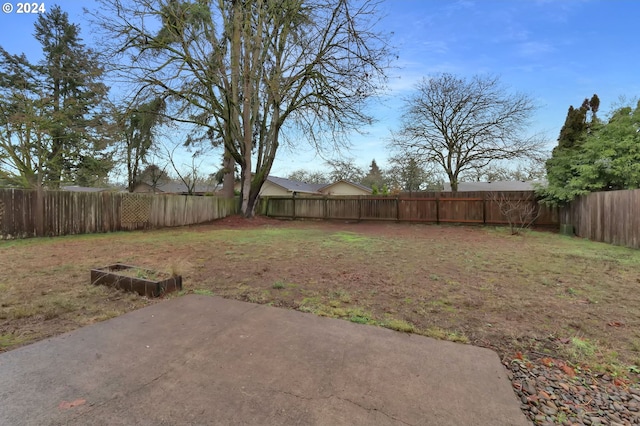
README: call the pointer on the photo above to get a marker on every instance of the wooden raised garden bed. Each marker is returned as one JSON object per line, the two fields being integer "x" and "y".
{"x": 145, "y": 282}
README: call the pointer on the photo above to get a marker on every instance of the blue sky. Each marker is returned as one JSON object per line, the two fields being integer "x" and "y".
{"x": 556, "y": 51}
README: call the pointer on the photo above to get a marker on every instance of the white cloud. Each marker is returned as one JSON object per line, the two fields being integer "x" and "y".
{"x": 534, "y": 48}
{"x": 434, "y": 46}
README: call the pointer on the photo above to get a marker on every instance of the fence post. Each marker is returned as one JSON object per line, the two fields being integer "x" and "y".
{"x": 294, "y": 206}
{"x": 484, "y": 208}
{"x": 325, "y": 211}
{"x": 438, "y": 209}
{"x": 39, "y": 211}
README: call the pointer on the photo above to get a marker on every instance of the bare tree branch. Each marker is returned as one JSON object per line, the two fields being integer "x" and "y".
{"x": 520, "y": 212}
{"x": 247, "y": 73}
{"x": 462, "y": 125}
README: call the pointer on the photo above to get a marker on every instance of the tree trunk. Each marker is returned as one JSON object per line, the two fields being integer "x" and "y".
{"x": 246, "y": 194}
{"x": 252, "y": 203}
{"x": 228, "y": 182}
{"x": 453, "y": 180}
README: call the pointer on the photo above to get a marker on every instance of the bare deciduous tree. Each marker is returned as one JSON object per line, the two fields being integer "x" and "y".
{"x": 461, "y": 125}
{"x": 344, "y": 169}
{"x": 135, "y": 130}
{"x": 520, "y": 212}
{"x": 189, "y": 172}
{"x": 247, "y": 73}
{"x": 302, "y": 175}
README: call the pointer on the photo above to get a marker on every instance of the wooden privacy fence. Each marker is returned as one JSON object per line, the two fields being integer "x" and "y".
{"x": 29, "y": 213}
{"x": 611, "y": 217}
{"x": 435, "y": 207}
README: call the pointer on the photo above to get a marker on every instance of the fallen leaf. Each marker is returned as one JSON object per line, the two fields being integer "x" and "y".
{"x": 620, "y": 382}
{"x": 519, "y": 355}
{"x": 568, "y": 370}
{"x": 616, "y": 324}
{"x": 548, "y": 362}
{"x": 65, "y": 405}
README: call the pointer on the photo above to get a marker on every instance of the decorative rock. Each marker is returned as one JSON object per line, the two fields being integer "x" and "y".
{"x": 549, "y": 396}
{"x": 548, "y": 410}
{"x": 529, "y": 387}
{"x": 540, "y": 418}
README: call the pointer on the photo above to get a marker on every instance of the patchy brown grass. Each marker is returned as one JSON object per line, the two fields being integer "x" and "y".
{"x": 539, "y": 293}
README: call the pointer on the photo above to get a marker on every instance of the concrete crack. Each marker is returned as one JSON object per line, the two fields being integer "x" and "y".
{"x": 374, "y": 409}
{"x": 124, "y": 395}
{"x": 368, "y": 409}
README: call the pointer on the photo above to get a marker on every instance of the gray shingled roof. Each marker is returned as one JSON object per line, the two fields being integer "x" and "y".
{"x": 76, "y": 188}
{"x": 495, "y": 186}
{"x": 295, "y": 186}
{"x": 181, "y": 188}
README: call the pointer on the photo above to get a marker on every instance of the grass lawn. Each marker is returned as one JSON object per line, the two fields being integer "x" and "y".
{"x": 540, "y": 293}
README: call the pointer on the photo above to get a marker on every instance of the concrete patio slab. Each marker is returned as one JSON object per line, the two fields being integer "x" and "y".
{"x": 202, "y": 360}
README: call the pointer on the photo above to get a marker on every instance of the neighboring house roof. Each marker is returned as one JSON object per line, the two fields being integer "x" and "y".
{"x": 357, "y": 185}
{"x": 495, "y": 186}
{"x": 76, "y": 188}
{"x": 181, "y": 188}
{"x": 295, "y": 186}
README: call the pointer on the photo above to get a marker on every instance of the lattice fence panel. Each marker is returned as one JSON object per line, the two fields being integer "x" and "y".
{"x": 135, "y": 209}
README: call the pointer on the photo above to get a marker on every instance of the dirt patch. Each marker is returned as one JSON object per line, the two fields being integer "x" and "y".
{"x": 538, "y": 293}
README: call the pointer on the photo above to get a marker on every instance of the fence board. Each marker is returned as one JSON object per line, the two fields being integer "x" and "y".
{"x": 342, "y": 208}
{"x": 436, "y": 207}
{"x": 25, "y": 213}
{"x": 378, "y": 209}
{"x": 309, "y": 207}
{"x": 418, "y": 209}
{"x": 610, "y": 217}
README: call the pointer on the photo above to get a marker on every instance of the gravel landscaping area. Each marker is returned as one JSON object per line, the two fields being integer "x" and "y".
{"x": 552, "y": 392}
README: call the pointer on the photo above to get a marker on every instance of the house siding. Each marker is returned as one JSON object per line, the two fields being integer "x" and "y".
{"x": 271, "y": 190}
{"x": 343, "y": 188}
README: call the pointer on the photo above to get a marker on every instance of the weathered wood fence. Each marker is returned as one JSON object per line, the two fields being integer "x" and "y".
{"x": 610, "y": 217}
{"x": 435, "y": 207}
{"x": 29, "y": 213}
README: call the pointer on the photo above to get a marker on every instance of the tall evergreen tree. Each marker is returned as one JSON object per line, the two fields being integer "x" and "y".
{"x": 607, "y": 157}
{"x": 71, "y": 74}
{"x": 578, "y": 122}
{"x": 52, "y": 121}
{"x": 574, "y": 128}
{"x": 374, "y": 178}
